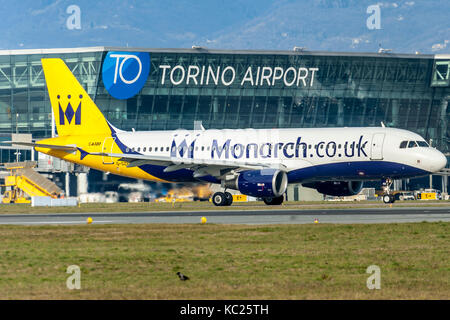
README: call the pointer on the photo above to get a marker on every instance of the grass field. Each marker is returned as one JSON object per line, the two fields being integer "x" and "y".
{"x": 203, "y": 206}
{"x": 315, "y": 261}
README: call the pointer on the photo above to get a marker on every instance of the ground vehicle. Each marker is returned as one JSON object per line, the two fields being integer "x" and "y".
{"x": 404, "y": 195}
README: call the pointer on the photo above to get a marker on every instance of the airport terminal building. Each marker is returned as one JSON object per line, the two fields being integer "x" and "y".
{"x": 167, "y": 89}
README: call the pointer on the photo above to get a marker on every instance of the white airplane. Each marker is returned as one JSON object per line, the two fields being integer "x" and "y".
{"x": 259, "y": 163}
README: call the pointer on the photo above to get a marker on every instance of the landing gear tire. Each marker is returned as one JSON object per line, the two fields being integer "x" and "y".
{"x": 219, "y": 199}
{"x": 392, "y": 198}
{"x": 388, "y": 198}
{"x": 228, "y": 198}
{"x": 274, "y": 201}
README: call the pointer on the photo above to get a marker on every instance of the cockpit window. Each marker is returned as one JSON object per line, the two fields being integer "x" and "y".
{"x": 413, "y": 144}
{"x": 422, "y": 144}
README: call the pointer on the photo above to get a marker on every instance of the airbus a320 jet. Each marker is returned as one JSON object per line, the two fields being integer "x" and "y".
{"x": 259, "y": 163}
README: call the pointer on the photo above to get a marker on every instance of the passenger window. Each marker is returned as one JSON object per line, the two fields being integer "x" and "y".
{"x": 403, "y": 144}
{"x": 412, "y": 144}
{"x": 167, "y": 148}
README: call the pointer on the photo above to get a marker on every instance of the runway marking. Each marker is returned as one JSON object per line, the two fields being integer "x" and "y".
{"x": 58, "y": 222}
{"x": 356, "y": 215}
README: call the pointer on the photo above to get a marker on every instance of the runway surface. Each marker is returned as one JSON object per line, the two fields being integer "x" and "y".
{"x": 345, "y": 216}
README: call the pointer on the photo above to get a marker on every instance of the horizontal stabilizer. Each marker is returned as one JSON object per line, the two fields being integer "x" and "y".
{"x": 41, "y": 145}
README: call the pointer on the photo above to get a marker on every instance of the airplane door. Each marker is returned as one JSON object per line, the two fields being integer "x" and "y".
{"x": 107, "y": 147}
{"x": 376, "y": 150}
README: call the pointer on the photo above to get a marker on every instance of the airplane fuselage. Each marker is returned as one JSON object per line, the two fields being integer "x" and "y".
{"x": 310, "y": 154}
{"x": 256, "y": 162}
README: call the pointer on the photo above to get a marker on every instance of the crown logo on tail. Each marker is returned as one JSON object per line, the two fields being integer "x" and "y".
{"x": 70, "y": 113}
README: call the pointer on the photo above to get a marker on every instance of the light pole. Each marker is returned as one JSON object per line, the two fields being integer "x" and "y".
{"x": 431, "y": 176}
{"x": 17, "y": 131}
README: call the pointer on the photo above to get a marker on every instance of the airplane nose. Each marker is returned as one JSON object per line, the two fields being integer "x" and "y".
{"x": 439, "y": 161}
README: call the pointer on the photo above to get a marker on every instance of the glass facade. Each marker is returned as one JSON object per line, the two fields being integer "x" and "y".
{"x": 238, "y": 89}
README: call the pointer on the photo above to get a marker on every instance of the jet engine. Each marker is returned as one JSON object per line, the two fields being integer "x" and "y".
{"x": 336, "y": 188}
{"x": 265, "y": 183}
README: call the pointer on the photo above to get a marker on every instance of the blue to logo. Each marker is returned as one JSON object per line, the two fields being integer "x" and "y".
{"x": 124, "y": 73}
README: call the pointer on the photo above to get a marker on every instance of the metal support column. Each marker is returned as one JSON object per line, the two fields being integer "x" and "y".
{"x": 67, "y": 184}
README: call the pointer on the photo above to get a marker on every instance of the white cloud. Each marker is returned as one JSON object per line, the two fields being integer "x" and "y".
{"x": 45, "y": 9}
{"x": 440, "y": 46}
{"x": 387, "y": 4}
{"x": 356, "y": 42}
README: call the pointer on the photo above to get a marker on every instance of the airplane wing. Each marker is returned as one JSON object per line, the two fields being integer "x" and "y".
{"x": 201, "y": 167}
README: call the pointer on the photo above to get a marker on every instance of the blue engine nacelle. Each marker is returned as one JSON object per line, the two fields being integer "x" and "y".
{"x": 265, "y": 183}
{"x": 336, "y": 188}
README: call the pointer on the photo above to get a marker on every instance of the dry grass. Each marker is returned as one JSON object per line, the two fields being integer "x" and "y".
{"x": 226, "y": 261}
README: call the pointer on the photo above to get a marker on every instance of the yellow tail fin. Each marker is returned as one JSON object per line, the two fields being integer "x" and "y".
{"x": 75, "y": 112}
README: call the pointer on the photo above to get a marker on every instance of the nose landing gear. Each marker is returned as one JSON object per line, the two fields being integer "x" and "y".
{"x": 387, "y": 196}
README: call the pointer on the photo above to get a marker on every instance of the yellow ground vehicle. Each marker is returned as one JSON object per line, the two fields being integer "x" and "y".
{"x": 24, "y": 182}
{"x": 427, "y": 196}
{"x": 177, "y": 195}
{"x": 15, "y": 196}
{"x": 187, "y": 194}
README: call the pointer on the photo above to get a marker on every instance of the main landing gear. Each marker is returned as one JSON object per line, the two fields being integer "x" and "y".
{"x": 387, "y": 196}
{"x": 274, "y": 201}
{"x": 222, "y": 199}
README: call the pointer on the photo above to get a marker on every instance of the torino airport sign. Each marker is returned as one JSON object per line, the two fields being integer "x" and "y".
{"x": 125, "y": 73}
{"x": 254, "y": 76}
